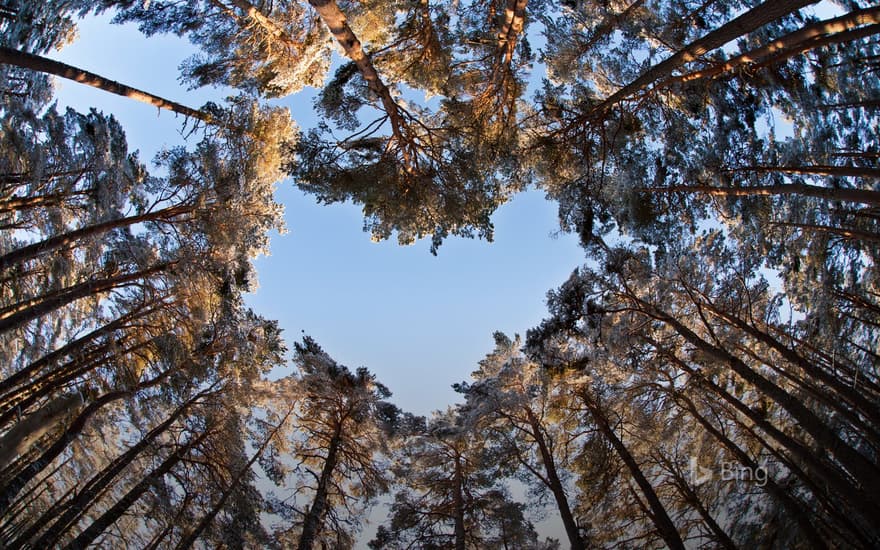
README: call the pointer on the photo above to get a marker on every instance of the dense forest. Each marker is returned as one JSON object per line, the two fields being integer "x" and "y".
{"x": 707, "y": 379}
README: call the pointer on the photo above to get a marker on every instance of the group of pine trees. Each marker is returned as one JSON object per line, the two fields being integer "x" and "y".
{"x": 709, "y": 378}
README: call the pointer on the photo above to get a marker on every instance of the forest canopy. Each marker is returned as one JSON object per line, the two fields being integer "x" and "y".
{"x": 708, "y": 378}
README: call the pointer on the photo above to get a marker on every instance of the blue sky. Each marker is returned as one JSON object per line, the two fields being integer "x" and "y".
{"x": 418, "y": 321}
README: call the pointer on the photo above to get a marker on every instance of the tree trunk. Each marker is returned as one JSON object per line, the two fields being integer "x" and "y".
{"x": 458, "y": 504}
{"x": 848, "y": 393}
{"x": 831, "y": 476}
{"x": 555, "y": 485}
{"x": 864, "y": 196}
{"x": 17, "y": 483}
{"x": 268, "y": 24}
{"x": 335, "y": 20}
{"x": 831, "y": 30}
{"x": 25, "y": 433}
{"x": 51, "y": 244}
{"x": 116, "y": 511}
{"x": 792, "y": 506}
{"x": 820, "y": 170}
{"x": 91, "y": 490}
{"x": 17, "y": 315}
{"x": 74, "y": 346}
{"x": 858, "y": 466}
{"x": 312, "y": 522}
{"x": 665, "y": 526}
{"x": 511, "y": 28}
{"x": 753, "y": 19}
{"x": 849, "y": 233}
{"x": 191, "y": 537}
{"x": 9, "y": 56}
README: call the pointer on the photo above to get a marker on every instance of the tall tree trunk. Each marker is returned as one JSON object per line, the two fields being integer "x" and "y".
{"x": 17, "y": 204}
{"x": 820, "y": 170}
{"x": 17, "y": 315}
{"x": 830, "y": 475}
{"x": 864, "y": 196}
{"x": 794, "y": 43}
{"x": 268, "y": 24}
{"x": 91, "y": 490}
{"x": 866, "y": 406}
{"x": 116, "y": 511}
{"x": 335, "y": 20}
{"x": 190, "y": 538}
{"x": 17, "y": 483}
{"x": 555, "y": 485}
{"x": 58, "y": 379}
{"x": 755, "y": 18}
{"x": 9, "y": 56}
{"x": 312, "y": 522}
{"x": 862, "y": 469}
{"x": 64, "y": 240}
{"x": 849, "y": 233}
{"x": 458, "y": 504}
{"x": 25, "y": 433}
{"x": 665, "y": 526}
{"x": 791, "y": 505}
{"x": 74, "y": 346}
{"x": 511, "y": 28}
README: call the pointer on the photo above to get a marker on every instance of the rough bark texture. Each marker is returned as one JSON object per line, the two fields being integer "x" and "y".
{"x": 31, "y": 428}
{"x": 32, "y": 251}
{"x": 122, "y": 505}
{"x": 335, "y": 20}
{"x": 312, "y": 522}
{"x": 19, "y": 314}
{"x": 665, "y": 526}
{"x": 753, "y": 19}
{"x": 458, "y": 505}
{"x": 790, "y": 44}
{"x": 9, "y": 56}
{"x": 555, "y": 486}
{"x": 91, "y": 490}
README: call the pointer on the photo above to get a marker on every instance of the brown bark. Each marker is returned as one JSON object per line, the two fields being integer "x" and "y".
{"x": 9, "y": 56}
{"x": 858, "y": 466}
{"x": 17, "y": 483}
{"x": 831, "y": 476}
{"x": 458, "y": 504}
{"x": 190, "y": 538}
{"x": 335, "y": 20}
{"x": 312, "y": 521}
{"x": 864, "y": 196}
{"x": 268, "y": 24}
{"x": 133, "y": 495}
{"x": 665, "y": 527}
{"x": 511, "y": 28}
{"x": 17, "y": 315}
{"x": 753, "y": 19}
{"x": 555, "y": 485}
{"x": 820, "y": 170}
{"x": 797, "y": 42}
{"x": 65, "y": 240}
{"x": 76, "y": 346}
{"x": 17, "y": 204}
{"x": 28, "y": 430}
{"x": 866, "y": 406}
{"x": 66, "y": 513}
{"x": 792, "y": 505}
{"x": 849, "y": 233}
{"x": 692, "y": 499}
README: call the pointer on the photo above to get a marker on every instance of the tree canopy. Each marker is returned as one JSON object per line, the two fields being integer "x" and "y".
{"x": 707, "y": 378}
